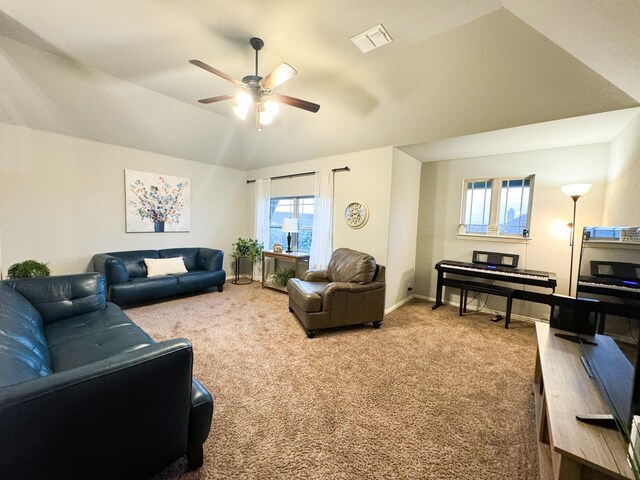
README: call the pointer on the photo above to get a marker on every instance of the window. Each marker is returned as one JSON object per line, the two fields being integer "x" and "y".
{"x": 297, "y": 207}
{"x": 497, "y": 206}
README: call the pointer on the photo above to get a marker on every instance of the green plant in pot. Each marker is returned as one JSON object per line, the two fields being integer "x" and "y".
{"x": 248, "y": 247}
{"x": 28, "y": 269}
{"x": 281, "y": 276}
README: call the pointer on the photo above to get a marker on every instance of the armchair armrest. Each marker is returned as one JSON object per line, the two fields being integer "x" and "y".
{"x": 111, "y": 267}
{"x": 332, "y": 288}
{"x": 121, "y": 417}
{"x": 315, "y": 276}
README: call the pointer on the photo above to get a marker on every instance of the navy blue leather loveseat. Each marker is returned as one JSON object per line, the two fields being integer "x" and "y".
{"x": 86, "y": 393}
{"x": 127, "y": 280}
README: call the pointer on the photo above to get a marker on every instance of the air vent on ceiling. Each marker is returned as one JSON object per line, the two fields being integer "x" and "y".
{"x": 372, "y": 38}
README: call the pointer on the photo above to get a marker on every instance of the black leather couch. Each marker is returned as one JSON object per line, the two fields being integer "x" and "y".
{"x": 86, "y": 393}
{"x": 127, "y": 280}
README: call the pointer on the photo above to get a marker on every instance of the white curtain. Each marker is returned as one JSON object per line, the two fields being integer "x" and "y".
{"x": 263, "y": 201}
{"x": 321, "y": 242}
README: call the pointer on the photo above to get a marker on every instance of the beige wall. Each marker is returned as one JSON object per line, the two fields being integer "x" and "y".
{"x": 403, "y": 227}
{"x": 548, "y": 249}
{"x": 370, "y": 180}
{"x": 62, "y": 200}
{"x": 622, "y": 201}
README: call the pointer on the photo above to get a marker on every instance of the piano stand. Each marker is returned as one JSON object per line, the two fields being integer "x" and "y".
{"x": 491, "y": 290}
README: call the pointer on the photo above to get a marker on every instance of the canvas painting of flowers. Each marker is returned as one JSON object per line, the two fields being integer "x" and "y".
{"x": 157, "y": 203}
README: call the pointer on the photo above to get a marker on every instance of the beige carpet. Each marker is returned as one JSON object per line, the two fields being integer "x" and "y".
{"x": 429, "y": 395}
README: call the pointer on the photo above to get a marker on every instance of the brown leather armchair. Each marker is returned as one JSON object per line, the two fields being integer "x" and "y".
{"x": 349, "y": 292}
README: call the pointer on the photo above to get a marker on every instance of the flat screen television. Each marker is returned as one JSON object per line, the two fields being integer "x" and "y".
{"x": 608, "y": 298}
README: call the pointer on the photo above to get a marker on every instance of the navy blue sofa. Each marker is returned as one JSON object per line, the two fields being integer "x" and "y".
{"x": 86, "y": 393}
{"x": 127, "y": 280}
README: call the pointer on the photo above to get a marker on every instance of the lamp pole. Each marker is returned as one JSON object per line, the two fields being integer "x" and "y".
{"x": 572, "y": 239}
{"x": 574, "y": 191}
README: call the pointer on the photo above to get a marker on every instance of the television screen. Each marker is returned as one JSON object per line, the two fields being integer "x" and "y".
{"x": 608, "y": 295}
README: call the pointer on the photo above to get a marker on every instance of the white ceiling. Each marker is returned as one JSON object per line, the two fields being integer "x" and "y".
{"x": 568, "y": 132}
{"x": 116, "y": 71}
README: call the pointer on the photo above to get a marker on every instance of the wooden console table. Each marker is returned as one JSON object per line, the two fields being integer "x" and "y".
{"x": 568, "y": 448}
{"x": 270, "y": 258}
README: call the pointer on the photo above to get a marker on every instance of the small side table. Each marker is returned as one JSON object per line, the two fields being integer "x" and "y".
{"x": 270, "y": 261}
{"x": 239, "y": 279}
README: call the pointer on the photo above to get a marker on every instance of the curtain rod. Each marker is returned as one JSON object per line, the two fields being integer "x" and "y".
{"x": 293, "y": 175}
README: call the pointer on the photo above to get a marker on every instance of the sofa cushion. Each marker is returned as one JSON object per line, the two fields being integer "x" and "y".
{"x": 134, "y": 261}
{"x": 306, "y": 294}
{"x": 199, "y": 279}
{"x": 24, "y": 354}
{"x": 350, "y": 266}
{"x": 83, "y": 339}
{"x": 164, "y": 266}
{"x": 62, "y": 296}
{"x": 189, "y": 255}
{"x": 143, "y": 288}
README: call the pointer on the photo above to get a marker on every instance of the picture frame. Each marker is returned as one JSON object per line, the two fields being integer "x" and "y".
{"x": 277, "y": 248}
{"x": 157, "y": 203}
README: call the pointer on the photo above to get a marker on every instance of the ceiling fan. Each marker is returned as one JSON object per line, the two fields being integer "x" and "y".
{"x": 258, "y": 90}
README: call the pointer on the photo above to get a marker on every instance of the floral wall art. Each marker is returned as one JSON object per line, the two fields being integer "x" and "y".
{"x": 157, "y": 203}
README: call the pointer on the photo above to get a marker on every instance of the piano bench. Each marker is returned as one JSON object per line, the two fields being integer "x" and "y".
{"x": 489, "y": 289}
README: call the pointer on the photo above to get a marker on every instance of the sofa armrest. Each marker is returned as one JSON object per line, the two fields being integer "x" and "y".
{"x": 209, "y": 259}
{"x": 315, "y": 276}
{"x": 111, "y": 267}
{"x": 122, "y": 417}
{"x": 334, "y": 287}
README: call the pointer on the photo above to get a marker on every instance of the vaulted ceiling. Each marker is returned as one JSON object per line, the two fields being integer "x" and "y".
{"x": 117, "y": 71}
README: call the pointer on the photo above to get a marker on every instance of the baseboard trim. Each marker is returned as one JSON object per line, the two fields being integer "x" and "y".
{"x": 398, "y": 305}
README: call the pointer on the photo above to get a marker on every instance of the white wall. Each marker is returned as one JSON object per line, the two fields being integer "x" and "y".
{"x": 403, "y": 227}
{"x": 373, "y": 176}
{"x": 547, "y": 250}
{"x": 622, "y": 201}
{"x": 369, "y": 181}
{"x": 62, "y": 200}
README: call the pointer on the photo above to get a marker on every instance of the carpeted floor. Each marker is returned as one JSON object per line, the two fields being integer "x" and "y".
{"x": 429, "y": 395}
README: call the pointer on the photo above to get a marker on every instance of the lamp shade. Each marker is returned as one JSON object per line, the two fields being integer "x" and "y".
{"x": 290, "y": 225}
{"x": 575, "y": 189}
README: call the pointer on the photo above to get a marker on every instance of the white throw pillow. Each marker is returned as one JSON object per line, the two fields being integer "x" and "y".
{"x": 164, "y": 266}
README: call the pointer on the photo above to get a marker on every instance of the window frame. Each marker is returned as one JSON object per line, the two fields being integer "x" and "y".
{"x": 297, "y": 205}
{"x": 494, "y": 206}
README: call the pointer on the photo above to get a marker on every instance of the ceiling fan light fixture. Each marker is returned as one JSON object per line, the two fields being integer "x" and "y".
{"x": 241, "y": 111}
{"x": 271, "y": 107}
{"x": 265, "y": 118}
{"x": 243, "y": 100}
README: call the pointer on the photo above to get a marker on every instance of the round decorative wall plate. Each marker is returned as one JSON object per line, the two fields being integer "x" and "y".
{"x": 356, "y": 214}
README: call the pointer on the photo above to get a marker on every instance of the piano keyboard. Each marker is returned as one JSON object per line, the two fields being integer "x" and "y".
{"x": 609, "y": 286}
{"x": 501, "y": 272}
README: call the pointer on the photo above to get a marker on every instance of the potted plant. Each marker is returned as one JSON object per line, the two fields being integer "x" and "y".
{"x": 282, "y": 275}
{"x": 248, "y": 247}
{"x": 28, "y": 269}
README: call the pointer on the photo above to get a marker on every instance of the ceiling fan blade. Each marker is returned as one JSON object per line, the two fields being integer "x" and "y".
{"x": 217, "y": 72}
{"x": 296, "y": 102}
{"x": 219, "y": 98}
{"x": 280, "y": 74}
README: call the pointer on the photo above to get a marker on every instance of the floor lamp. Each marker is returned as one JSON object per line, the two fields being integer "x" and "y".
{"x": 575, "y": 191}
{"x": 289, "y": 225}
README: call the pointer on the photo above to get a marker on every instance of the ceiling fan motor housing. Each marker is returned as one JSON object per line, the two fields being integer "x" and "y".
{"x": 256, "y": 43}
